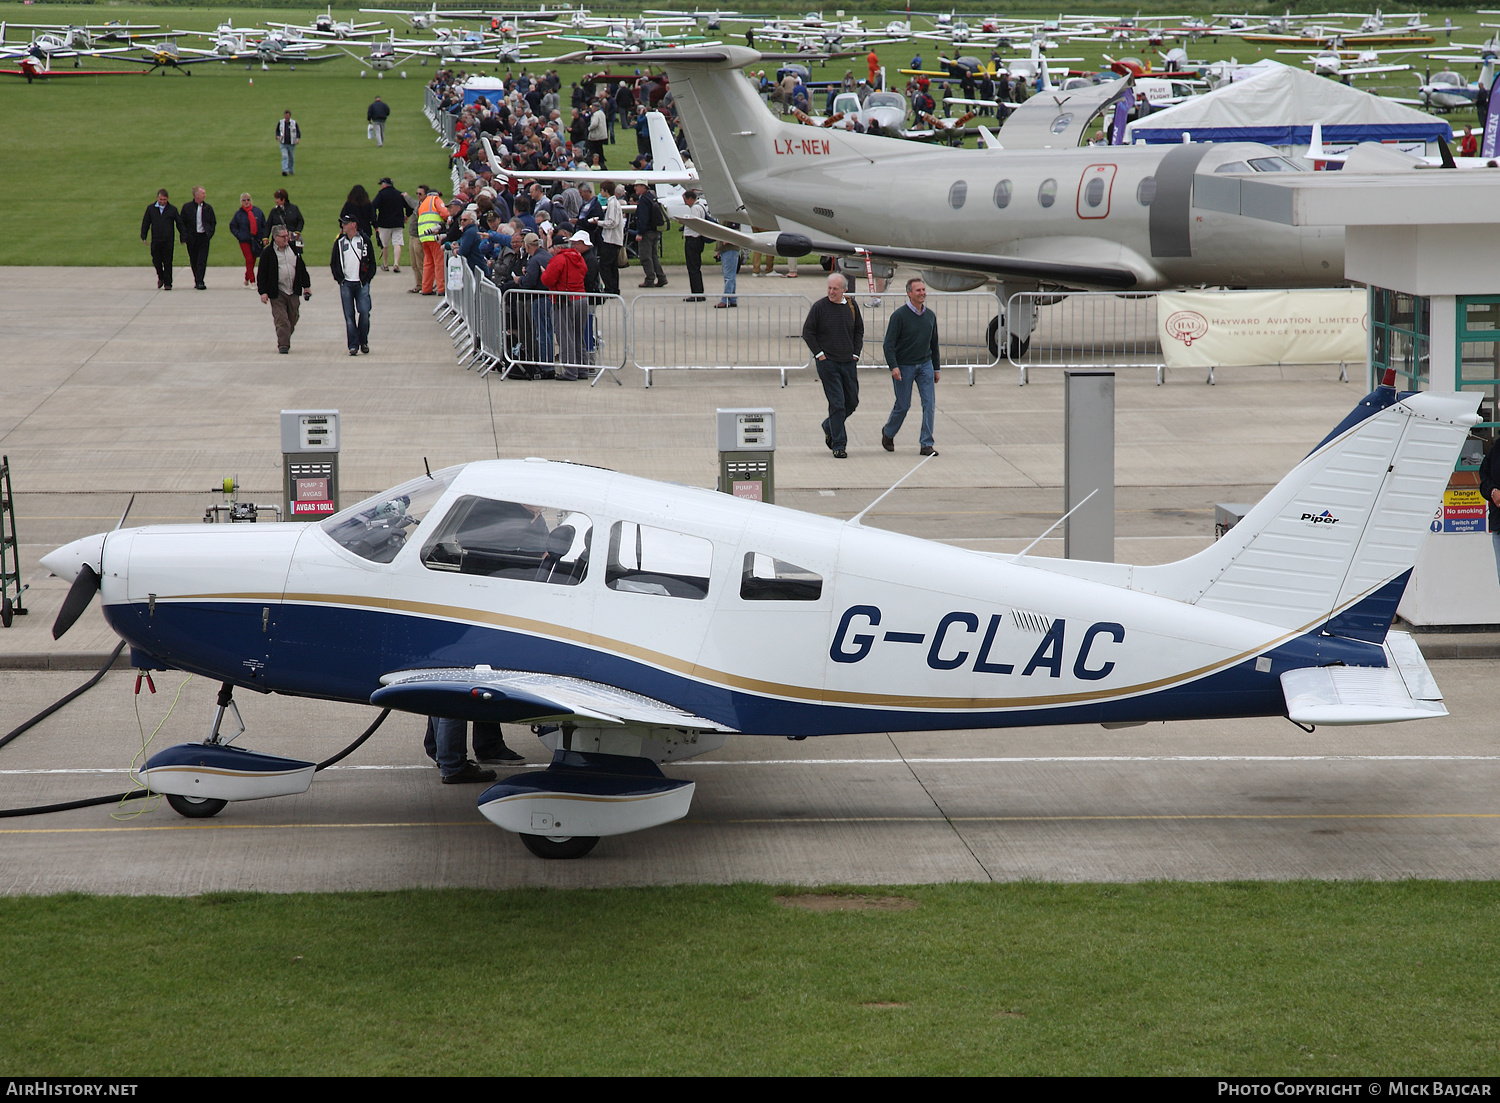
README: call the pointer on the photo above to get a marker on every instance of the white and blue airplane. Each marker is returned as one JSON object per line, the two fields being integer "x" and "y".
{"x": 649, "y": 622}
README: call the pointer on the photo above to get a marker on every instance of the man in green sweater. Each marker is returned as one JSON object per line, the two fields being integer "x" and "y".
{"x": 911, "y": 349}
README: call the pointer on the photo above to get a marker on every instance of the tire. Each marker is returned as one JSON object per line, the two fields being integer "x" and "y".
{"x": 196, "y": 808}
{"x": 1018, "y": 345}
{"x": 568, "y": 846}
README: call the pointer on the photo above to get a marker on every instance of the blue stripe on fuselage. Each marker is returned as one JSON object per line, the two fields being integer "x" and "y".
{"x": 340, "y": 653}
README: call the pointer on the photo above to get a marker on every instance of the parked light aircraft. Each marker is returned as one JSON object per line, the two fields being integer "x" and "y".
{"x": 651, "y": 621}
{"x": 326, "y": 26}
{"x": 1346, "y": 64}
{"x": 1115, "y": 218}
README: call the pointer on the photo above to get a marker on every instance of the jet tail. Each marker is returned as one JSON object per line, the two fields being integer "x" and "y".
{"x": 1334, "y": 543}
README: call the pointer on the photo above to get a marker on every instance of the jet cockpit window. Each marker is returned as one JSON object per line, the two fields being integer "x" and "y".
{"x": 529, "y": 543}
{"x": 1273, "y": 164}
{"x": 1002, "y": 194}
{"x": 377, "y": 528}
{"x": 1046, "y": 195}
{"x": 1232, "y": 166}
{"x": 646, "y": 560}
{"x": 768, "y": 579}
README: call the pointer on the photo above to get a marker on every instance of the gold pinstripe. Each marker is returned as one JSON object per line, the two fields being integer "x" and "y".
{"x": 755, "y": 685}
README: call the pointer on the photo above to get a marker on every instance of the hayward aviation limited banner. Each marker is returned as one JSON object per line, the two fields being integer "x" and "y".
{"x": 1200, "y": 329}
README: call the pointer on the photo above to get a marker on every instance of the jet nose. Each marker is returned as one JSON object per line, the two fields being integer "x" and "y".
{"x": 66, "y": 561}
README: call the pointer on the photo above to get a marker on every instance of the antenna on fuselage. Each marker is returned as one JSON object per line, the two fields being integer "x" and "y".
{"x": 427, "y": 469}
{"x": 856, "y": 518}
{"x": 1020, "y": 554}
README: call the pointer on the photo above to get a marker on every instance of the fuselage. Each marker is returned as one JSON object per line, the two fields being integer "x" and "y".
{"x": 760, "y": 618}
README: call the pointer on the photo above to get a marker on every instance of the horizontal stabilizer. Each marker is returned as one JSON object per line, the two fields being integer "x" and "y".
{"x": 519, "y": 696}
{"x": 1405, "y": 690}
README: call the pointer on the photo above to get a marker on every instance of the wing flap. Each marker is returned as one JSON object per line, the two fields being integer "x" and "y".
{"x": 517, "y": 696}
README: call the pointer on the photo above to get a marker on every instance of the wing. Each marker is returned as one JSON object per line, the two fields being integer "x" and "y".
{"x": 520, "y": 696}
{"x": 800, "y": 245}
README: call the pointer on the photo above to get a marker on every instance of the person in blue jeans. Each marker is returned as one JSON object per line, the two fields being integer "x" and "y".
{"x": 911, "y": 350}
{"x": 353, "y": 266}
{"x": 729, "y": 264}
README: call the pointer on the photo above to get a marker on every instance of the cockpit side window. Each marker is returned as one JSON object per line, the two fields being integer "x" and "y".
{"x": 376, "y": 528}
{"x": 647, "y": 560}
{"x": 765, "y": 578}
{"x": 498, "y": 539}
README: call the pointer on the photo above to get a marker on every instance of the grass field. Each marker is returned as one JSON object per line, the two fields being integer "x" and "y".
{"x": 1285, "y": 979}
{"x": 81, "y": 158}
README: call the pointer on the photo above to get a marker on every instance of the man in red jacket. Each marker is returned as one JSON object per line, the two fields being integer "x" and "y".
{"x": 566, "y": 273}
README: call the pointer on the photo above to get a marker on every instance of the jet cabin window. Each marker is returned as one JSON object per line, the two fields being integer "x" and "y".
{"x": 768, "y": 579}
{"x": 513, "y": 540}
{"x": 1002, "y": 194}
{"x": 1046, "y": 195}
{"x": 1145, "y": 191}
{"x": 957, "y": 194}
{"x": 645, "y": 560}
{"x": 377, "y": 528}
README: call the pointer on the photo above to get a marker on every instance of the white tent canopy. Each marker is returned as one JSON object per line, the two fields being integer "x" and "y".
{"x": 1279, "y": 106}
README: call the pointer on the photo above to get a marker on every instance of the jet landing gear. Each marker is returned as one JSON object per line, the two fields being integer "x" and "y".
{"x": 1018, "y": 345}
{"x": 199, "y": 779}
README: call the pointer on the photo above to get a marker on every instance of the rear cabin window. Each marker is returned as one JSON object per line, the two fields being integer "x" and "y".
{"x": 1046, "y": 195}
{"x": 497, "y": 539}
{"x": 766, "y": 578}
{"x": 647, "y": 560}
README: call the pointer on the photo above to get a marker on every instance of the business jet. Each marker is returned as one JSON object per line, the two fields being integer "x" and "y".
{"x": 648, "y": 622}
{"x": 1115, "y": 218}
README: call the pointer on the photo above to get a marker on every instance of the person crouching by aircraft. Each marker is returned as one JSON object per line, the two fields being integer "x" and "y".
{"x": 282, "y": 278}
{"x": 352, "y": 263}
{"x": 248, "y": 227}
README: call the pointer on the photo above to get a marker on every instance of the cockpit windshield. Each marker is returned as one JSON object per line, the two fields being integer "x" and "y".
{"x": 377, "y": 528}
{"x": 885, "y": 99}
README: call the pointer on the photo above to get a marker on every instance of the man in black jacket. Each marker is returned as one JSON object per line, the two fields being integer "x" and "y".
{"x": 197, "y": 225}
{"x": 835, "y": 333}
{"x": 648, "y": 222}
{"x": 281, "y": 279}
{"x": 391, "y": 210}
{"x": 160, "y": 222}
{"x": 376, "y": 115}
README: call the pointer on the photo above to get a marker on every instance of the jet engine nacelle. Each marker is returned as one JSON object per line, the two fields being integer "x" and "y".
{"x": 942, "y": 280}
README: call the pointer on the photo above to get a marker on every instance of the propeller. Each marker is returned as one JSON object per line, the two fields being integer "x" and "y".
{"x": 85, "y": 586}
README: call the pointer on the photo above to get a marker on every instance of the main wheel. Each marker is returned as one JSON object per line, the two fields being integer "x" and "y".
{"x": 195, "y": 808}
{"x": 992, "y": 337}
{"x": 560, "y": 846}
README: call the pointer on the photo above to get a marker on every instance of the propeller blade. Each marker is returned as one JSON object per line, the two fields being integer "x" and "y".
{"x": 85, "y": 586}
{"x": 128, "y": 507}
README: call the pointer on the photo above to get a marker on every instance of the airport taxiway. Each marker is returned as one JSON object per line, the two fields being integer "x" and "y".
{"x": 111, "y": 389}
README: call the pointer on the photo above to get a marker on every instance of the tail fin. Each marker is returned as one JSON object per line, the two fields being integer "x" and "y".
{"x": 734, "y": 136}
{"x": 1340, "y": 529}
{"x": 665, "y": 156}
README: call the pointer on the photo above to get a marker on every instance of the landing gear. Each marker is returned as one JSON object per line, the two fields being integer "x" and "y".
{"x": 552, "y": 846}
{"x": 1018, "y": 345}
{"x": 195, "y": 808}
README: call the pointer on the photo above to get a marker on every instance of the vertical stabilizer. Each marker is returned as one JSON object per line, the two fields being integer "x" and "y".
{"x": 1342, "y": 527}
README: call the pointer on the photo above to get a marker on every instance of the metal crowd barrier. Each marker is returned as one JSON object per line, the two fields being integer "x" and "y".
{"x": 1092, "y": 329}
{"x": 968, "y": 322}
{"x": 489, "y": 326}
{"x": 447, "y": 127}
{"x": 555, "y": 330}
{"x": 763, "y": 332}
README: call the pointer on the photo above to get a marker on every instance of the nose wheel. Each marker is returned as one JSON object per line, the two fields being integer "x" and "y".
{"x": 557, "y": 846}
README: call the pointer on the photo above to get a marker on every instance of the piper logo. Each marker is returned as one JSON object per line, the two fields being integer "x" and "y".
{"x": 1324, "y": 518}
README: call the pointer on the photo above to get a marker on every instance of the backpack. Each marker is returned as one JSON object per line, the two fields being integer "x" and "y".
{"x": 659, "y": 219}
